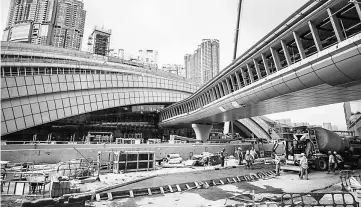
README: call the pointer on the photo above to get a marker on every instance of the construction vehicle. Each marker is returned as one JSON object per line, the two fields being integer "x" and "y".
{"x": 316, "y": 142}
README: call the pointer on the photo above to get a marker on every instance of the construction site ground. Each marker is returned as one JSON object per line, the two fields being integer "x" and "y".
{"x": 288, "y": 182}
{"x": 213, "y": 196}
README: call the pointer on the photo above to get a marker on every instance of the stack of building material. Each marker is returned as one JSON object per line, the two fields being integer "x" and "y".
{"x": 174, "y": 159}
{"x": 59, "y": 188}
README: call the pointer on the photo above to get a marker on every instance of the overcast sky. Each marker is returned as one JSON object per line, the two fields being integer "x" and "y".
{"x": 177, "y": 27}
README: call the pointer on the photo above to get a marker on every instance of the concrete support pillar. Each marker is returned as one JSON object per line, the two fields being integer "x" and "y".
{"x": 226, "y": 127}
{"x": 202, "y": 131}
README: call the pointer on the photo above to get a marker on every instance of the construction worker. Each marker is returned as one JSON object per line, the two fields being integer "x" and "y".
{"x": 303, "y": 166}
{"x": 223, "y": 157}
{"x": 338, "y": 161}
{"x": 254, "y": 154}
{"x": 240, "y": 156}
{"x": 331, "y": 162}
{"x": 277, "y": 161}
{"x": 248, "y": 158}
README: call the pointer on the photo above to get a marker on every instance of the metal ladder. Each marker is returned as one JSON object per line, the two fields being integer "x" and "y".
{"x": 313, "y": 139}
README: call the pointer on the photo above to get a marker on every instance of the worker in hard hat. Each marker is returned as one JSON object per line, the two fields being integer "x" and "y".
{"x": 254, "y": 154}
{"x": 303, "y": 166}
{"x": 248, "y": 158}
{"x": 277, "y": 161}
{"x": 240, "y": 155}
{"x": 338, "y": 161}
{"x": 331, "y": 162}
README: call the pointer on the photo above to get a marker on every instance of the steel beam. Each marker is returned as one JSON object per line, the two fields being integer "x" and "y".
{"x": 336, "y": 26}
{"x": 258, "y": 70}
{"x": 238, "y": 80}
{"x": 358, "y": 9}
{"x": 250, "y": 73}
{"x": 286, "y": 52}
{"x": 244, "y": 77}
{"x": 234, "y": 86}
{"x": 315, "y": 35}
{"x": 276, "y": 58}
{"x": 228, "y": 86}
{"x": 265, "y": 64}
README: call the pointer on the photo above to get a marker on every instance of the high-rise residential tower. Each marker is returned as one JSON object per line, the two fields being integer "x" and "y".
{"x": 69, "y": 24}
{"x": 203, "y": 64}
{"x": 58, "y": 23}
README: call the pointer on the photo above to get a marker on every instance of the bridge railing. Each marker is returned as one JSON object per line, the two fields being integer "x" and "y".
{"x": 316, "y": 26}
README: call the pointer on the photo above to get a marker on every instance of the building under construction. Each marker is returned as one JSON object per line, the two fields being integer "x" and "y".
{"x": 99, "y": 41}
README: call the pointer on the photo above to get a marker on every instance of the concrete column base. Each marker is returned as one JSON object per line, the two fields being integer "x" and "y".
{"x": 202, "y": 131}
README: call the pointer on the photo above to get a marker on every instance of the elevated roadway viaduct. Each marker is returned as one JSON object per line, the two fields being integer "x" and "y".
{"x": 311, "y": 59}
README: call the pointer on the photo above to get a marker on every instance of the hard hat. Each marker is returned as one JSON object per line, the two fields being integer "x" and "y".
{"x": 303, "y": 154}
{"x": 239, "y": 148}
{"x": 329, "y": 152}
{"x": 334, "y": 152}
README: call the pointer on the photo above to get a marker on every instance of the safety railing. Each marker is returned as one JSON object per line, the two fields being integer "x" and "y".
{"x": 79, "y": 169}
{"x": 318, "y": 200}
{"x": 24, "y": 183}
